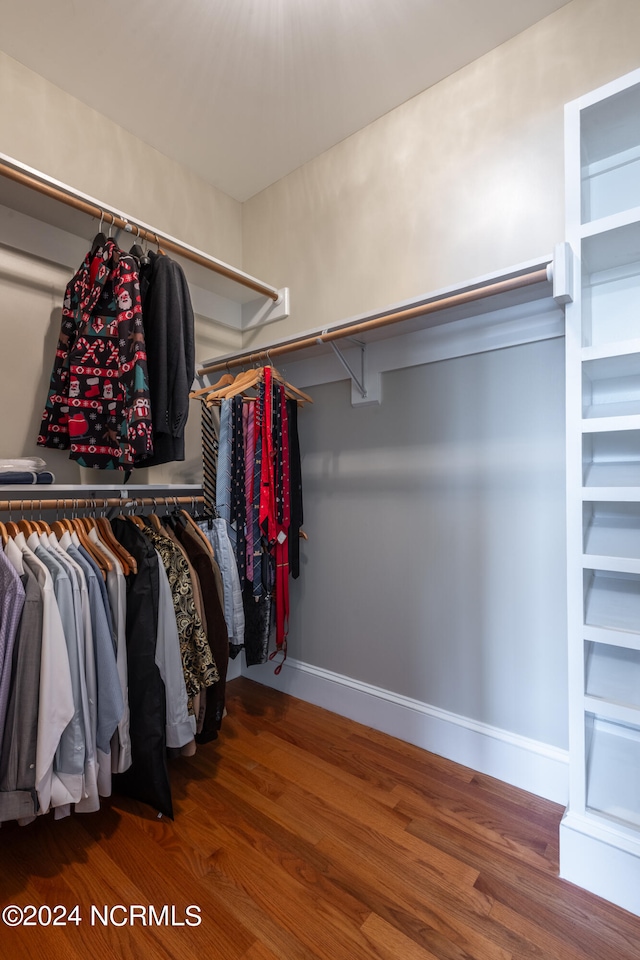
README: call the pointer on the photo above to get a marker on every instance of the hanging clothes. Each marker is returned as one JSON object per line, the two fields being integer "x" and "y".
{"x": 200, "y": 669}
{"x": 98, "y": 405}
{"x": 75, "y": 723}
{"x": 56, "y": 706}
{"x": 18, "y": 758}
{"x": 147, "y": 779}
{"x": 258, "y": 493}
{"x": 167, "y": 316}
{"x": 210, "y": 578}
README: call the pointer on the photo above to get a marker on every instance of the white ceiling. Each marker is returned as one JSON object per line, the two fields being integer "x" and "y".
{"x": 244, "y": 91}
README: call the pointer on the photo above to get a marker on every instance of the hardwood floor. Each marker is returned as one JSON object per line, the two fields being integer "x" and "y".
{"x": 301, "y": 835}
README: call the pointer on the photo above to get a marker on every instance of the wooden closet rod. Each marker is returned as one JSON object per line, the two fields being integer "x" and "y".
{"x": 93, "y": 209}
{"x": 539, "y": 275}
{"x": 19, "y": 506}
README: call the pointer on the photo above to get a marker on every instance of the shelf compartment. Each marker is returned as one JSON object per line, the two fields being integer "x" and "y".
{"x": 613, "y": 769}
{"x": 611, "y": 350}
{"x": 610, "y": 155}
{"x": 612, "y": 674}
{"x": 615, "y": 638}
{"x": 611, "y": 459}
{"x": 612, "y": 600}
{"x": 611, "y": 531}
{"x": 611, "y": 286}
{"x": 611, "y": 386}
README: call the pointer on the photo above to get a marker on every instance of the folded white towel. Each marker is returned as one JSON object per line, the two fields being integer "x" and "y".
{"x": 35, "y": 464}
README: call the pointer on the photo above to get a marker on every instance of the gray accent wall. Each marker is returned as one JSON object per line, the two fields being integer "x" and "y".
{"x": 435, "y": 565}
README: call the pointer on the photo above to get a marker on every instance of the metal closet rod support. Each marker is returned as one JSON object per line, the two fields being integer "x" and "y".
{"x": 33, "y": 505}
{"x": 124, "y": 223}
{"x": 539, "y": 275}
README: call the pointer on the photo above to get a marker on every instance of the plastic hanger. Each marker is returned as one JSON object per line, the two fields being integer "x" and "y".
{"x": 99, "y": 240}
{"x": 138, "y": 251}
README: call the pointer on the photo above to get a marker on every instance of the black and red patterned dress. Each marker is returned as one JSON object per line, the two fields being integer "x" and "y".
{"x": 98, "y": 405}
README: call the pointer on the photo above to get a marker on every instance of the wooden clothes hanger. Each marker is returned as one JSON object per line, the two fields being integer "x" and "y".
{"x": 11, "y": 527}
{"x": 243, "y": 381}
{"x": 100, "y": 558}
{"x": 297, "y": 394}
{"x": 253, "y": 378}
{"x": 225, "y": 380}
{"x": 106, "y": 535}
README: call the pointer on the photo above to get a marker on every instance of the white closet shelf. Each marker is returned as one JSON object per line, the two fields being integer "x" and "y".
{"x": 611, "y": 534}
{"x": 621, "y": 494}
{"x": 612, "y": 564}
{"x": 622, "y": 414}
{"x": 57, "y": 491}
{"x": 620, "y": 365}
{"x": 614, "y": 710}
{"x": 613, "y": 771}
{"x": 615, "y": 422}
{"x": 612, "y": 600}
{"x": 612, "y": 638}
{"x": 52, "y": 221}
{"x": 611, "y": 184}
{"x": 622, "y": 217}
{"x": 611, "y": 458}
{"x": 612, "y": 682}
{"x": 603, "y": 351}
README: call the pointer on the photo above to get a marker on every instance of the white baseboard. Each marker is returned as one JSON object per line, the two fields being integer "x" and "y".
{"x": 602, "y": 858}
{"x": 235, "y": 668}
{"x": 529, "y": 764}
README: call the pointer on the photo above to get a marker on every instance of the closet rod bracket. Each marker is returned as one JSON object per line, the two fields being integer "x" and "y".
{"x": 364, "y": 390}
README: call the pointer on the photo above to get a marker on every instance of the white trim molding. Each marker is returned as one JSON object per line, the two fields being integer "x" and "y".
{"x": 602, "y": 857}
{"x": 529, "y": 764}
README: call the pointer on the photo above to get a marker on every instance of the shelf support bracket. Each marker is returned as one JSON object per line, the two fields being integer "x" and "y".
{"x": 359, "y": 382}
{"x": 562, "y": 273}
{"x": 365, "y": 388}
{"x": 263, "y": 310}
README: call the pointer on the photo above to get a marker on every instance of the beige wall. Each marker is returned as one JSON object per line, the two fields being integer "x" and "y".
{"x": 463, "y": 180}
{"x": 44, "y": 127}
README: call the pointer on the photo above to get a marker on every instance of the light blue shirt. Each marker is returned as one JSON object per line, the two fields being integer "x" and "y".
{"x": 110, "y": 701}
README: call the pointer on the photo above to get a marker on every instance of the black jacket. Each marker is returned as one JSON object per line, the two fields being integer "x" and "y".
{"x": 167, "y": 316}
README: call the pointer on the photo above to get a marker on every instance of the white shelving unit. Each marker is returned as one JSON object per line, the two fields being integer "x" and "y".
{"x": 600, "y": 832}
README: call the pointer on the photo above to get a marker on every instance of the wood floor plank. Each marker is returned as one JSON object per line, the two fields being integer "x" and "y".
{"x": 499, "y": 830}
{"x": 305, "y": 836}
{"x": 391, "y": 943}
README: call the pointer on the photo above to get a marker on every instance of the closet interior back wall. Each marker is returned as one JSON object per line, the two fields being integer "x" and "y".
{"x": 434, "y": 569}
